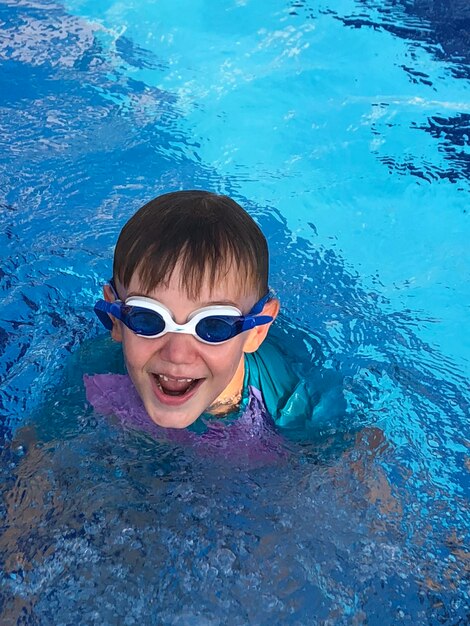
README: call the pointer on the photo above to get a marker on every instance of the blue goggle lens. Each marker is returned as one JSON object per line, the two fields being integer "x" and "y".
{"x": 144, "y": 322}
{"x": 217, "y": 329}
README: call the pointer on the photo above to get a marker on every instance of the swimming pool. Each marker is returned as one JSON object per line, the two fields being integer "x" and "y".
{"x": 344, "y": 129}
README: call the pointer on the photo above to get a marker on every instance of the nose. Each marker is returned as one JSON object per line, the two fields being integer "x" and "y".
{"x": 179, "y": 348}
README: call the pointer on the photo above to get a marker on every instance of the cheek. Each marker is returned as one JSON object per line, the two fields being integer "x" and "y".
{"x": 137, "y": 351}
{"x": 224, "y": 360}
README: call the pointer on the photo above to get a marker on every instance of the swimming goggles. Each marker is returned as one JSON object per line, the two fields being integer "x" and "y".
{"x": 150, "y": 319}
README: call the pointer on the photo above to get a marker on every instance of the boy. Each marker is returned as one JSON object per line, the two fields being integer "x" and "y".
{"x": 190, "y": 303}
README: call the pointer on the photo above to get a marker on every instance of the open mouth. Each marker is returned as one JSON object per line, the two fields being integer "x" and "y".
{"x": 175, "y": 387}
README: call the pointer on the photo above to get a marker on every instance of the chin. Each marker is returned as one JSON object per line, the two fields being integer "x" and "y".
{"x": 171, "y": 421}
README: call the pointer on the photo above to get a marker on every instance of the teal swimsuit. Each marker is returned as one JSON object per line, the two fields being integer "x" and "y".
{"x": 284, "y": 395}
{"x": 296, "y": 394}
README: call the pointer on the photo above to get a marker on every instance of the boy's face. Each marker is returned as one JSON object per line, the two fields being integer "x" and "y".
{"x": 177, "y": 376}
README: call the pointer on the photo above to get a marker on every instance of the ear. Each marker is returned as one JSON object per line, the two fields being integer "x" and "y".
{"x": 116, "y": 332}
{"x": 257, "y": 335}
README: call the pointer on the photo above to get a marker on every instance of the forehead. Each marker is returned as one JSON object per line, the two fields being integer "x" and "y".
{"x": 229, "y": 284}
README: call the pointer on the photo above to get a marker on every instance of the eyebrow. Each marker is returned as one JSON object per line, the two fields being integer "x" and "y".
{"x": 201, "y": 305}
{"x": 219, "y": 303}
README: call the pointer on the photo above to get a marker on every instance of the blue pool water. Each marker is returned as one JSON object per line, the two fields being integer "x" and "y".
{"x": 344, "y": 129}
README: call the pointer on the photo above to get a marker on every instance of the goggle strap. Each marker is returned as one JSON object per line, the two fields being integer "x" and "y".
{"x": 103, "y": 315}
{"x": 103, "y": 309}
{"x": 112, "y": 284}
{"x": 259, "y": 320}
{"x": 258, "y": 307}
{"x": 250, "y": 322}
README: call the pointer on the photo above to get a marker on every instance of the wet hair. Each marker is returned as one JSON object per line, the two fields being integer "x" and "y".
{"x": 205, "y": 233}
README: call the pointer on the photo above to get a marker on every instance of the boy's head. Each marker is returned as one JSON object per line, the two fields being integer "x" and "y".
{"x": 207, "y": 235}
{"x": 190, "y": 250}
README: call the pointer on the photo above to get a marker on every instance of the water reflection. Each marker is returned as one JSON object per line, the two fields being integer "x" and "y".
{"x": 105, "y": 525}
{"x": 108, "y": 514}
{"x": 442, "y": 30}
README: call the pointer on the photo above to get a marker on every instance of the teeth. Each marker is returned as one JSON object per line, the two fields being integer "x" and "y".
{"x": 178, "y": 380}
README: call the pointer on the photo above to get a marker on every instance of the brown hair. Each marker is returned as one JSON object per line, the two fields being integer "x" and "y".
{"x": 206, "y": 233}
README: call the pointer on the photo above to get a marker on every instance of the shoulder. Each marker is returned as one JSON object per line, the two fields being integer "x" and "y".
{"x": 287, "y": 370}
{"x": 273, "y": 371}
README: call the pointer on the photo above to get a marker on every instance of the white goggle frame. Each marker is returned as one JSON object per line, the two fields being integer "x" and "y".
{"x": 189, "y": 328}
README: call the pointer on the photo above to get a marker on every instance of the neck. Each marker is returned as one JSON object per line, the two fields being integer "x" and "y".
{"x": 230, "y": 398}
